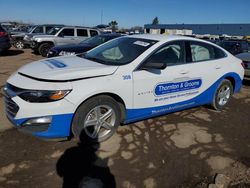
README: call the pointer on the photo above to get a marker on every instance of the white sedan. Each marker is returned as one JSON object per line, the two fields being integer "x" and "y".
{"x": 122, "y": 81}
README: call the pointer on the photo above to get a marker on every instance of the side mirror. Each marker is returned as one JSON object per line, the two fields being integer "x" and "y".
{"x": 153, "y": 65}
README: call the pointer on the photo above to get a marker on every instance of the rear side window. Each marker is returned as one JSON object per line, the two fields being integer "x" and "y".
{"x": 93, "y": 33}
{"x": 198, "y": 51}
{"x": 67, "y": 32}
{"x": 218, "y": 53}
{"x": 82, "y": 33}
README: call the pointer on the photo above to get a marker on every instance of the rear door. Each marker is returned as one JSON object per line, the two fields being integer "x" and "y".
{"x": 81, "y": 34}
{"x": 204, "y": 63}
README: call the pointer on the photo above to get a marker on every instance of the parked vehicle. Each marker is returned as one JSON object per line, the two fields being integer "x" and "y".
{"x": 234, "y": 46}
{"x": 247, "y": 38}
{"x": 124, "y": 80}
{"x": 4, "y": 40}
{"x": 84, "y": 46}
{"x": 245, "y": 57}
{"x": 22, "y": 39}
{"x": 61, "y": 36}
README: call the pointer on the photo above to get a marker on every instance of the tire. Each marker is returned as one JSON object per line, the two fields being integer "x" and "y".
{"x": 44, "y": 48}
{"x": 97, "y": 128}
{"x": 19, "y": 44}
{"x": 222, "y": 95}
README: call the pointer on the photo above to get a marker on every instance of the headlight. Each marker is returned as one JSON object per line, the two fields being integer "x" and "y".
{"x": 43, "y": 96}
{"x": 66, "y": 53}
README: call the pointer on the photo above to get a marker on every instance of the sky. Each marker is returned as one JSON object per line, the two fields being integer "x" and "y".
{"x": 127, "y": 13}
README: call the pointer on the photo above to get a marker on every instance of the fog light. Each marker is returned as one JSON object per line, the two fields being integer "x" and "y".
{"x": 39, "y": 121}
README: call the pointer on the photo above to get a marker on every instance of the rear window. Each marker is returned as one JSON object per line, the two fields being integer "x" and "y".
{"x": 82, "y": 33}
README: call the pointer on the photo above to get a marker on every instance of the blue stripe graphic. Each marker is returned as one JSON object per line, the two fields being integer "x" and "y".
{"x": 206, "y": 97}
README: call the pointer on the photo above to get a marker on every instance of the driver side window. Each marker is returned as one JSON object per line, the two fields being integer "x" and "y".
{"x": 170, "y": 54}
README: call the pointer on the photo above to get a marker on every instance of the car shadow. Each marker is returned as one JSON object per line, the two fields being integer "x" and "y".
{"x": 11, "y": 52}
{"x": 246, "y": 82}
{"x": 80, "y": 167}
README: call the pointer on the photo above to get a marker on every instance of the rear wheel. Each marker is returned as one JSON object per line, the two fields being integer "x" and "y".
{"x": 222, "y": 95}
{"x": 98, "y": 118}
{"x": 19, "y": 44}
{"x": 44, "y": 49}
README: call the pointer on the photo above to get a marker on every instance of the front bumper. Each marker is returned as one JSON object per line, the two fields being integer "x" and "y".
{"x": 19, "y": 112}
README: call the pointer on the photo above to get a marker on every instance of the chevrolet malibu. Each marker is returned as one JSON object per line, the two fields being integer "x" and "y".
{"x": 127, "y": 79}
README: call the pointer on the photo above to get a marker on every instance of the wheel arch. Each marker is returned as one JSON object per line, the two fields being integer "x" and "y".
{"x": 49, "y": 42}
{"x": 116, "y": 97}
{"x": 232, "y": 80}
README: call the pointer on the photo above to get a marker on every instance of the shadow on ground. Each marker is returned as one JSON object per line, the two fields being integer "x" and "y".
{"x": 80, "y": 167}
{"x": 11, "y": 52}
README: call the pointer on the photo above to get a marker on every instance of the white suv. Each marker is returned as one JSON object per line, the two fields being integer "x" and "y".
{"x": 124, "y": 80}
{"x": 61, "y": 36}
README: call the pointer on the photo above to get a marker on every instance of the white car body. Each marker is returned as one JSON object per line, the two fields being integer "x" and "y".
{"x": 144, "y": 93}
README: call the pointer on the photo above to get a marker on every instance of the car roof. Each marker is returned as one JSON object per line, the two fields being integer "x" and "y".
{"x": 164, "y": 38}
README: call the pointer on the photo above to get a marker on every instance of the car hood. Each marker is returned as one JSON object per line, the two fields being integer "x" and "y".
{"x": 65, "y": 69}
{"x": 72, "y": 47}
{"x": 43, "y": 36}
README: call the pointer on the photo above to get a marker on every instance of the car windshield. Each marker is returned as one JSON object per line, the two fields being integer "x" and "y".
{"x": 120, "y": 51}
{"x": 95, "y": 41}
{"x": 54, "y": 30}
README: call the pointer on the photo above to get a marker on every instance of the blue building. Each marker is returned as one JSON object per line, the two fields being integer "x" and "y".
{"x": 202, "y": 29}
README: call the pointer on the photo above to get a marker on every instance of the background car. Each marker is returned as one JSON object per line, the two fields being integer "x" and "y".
{"x": 61, "y": 36}
{"x": 83, "y": 46}
{"x": 245, "y": 57}
{"x": 234, "y": 46}
{"x": 22, "y": 39}
{"x": 4, "y": 40}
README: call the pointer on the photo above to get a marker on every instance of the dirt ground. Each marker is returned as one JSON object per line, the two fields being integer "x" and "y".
{"x": 183, "y": 149}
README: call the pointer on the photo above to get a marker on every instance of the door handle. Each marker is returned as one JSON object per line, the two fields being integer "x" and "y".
{"x": 184, "y": 71}
{"x": 217, "y": 67}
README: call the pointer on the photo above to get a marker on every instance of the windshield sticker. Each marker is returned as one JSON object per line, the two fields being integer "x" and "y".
{"x": 54, "y": 63}
{"x": 141, "y": 43}
{"x": 173, "y": 87}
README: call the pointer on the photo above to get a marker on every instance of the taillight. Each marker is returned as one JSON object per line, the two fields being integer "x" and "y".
{"x": 2, "y": 33}
{"x": 243, "y": 64}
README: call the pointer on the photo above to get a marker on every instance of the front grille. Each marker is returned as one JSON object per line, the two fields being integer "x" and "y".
{"x": 11, "y": 107}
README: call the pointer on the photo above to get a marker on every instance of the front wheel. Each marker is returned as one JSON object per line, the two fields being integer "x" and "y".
{"x": 222, "y": 95}
{"x": 44, "y": 49}
{"x": 98, "y": 118}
